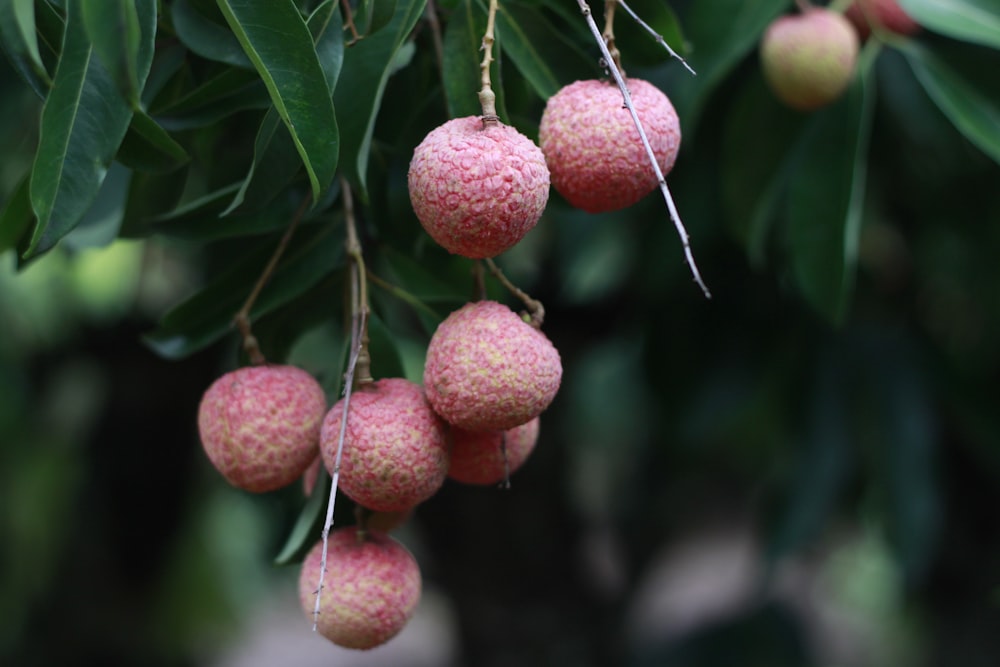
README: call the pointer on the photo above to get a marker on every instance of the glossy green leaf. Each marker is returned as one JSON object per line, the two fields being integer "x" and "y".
{"x": 16, "y": 216}
{"x": 219, "y": 97}
{"x": 148, "y": 147}
{"x": 208, "y": 38}
{"x": 20, "y": 42}
{"x": 358, "y": 97}
{"x": 826, "y": 193}
{"x": 207, "y": 225}
{"x": 276, "y": 161}
{"x": 278, "y": 42}
{"x": 460, "y": 67}
{"x": 83, "y": 123}
{"x": 719, "y": 46}
{"x": 974, "y": 110}
{"x": 122, "y": 33}
{"x": 101, "y": 223}
{"x": 976, "y": 21}
{"x": 207, "y": 316}
{"x": 373, "y": 15}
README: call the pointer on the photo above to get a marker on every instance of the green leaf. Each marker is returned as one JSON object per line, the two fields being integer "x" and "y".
{"x": 974, "y": 110}
{"x": 826, "y": 193}
{"x": 276, "y": 161}
{"x": 358, "y": 97}
{"x": 279, "y": 44}
{"x": 373, "y": 15}
{"x": 221, "y": 96}
{"x": 207, "y": 316}
{"x": 386, "y": 360}
{"x": 122, "y": 33}
{"x": 16, "y": 216}
{"x": 308, "y": 525}
{"x": 720, "y": 46}
{"x": 208, "y": 38}
{"x": 148, "y": 147}
{"x": 206, "y": 224}
{"x": 149, "y": 194}
{"x": 460, "y": 71}
{"x": 976, "y": 21}
{"x": 83, "y": 122}
{"x": 20, "y": 43}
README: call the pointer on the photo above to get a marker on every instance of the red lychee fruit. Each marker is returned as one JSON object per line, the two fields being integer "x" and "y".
{"x": 886, "y": 14}
{"x": 370, "y": 589}
{"x": 489, "y": 457}
{"x": 260, "y": 425}
{"x": 808, "y": 59}
{"x": 477, "y": 189}
{"x": 593, "y": 149}
{"x": 489, "y": 370}
{"x": 395, "y": 452}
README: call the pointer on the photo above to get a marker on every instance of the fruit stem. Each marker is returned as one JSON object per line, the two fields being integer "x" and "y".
{"x": 657, "y": 36}
{"x": 359, "y": 286}
{"x": 671, "y": 207}
{"x": 609, "y": 33}
{"x": 487, "y": 98}
{"x": 536, "y": 310}
{"x": 242, "y": 317}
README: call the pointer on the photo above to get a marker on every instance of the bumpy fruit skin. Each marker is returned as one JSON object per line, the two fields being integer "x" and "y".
{"x": 479, "y": 458}
{"x": 370, "y": 590}
{"x": 593, "y": 149}
{"x": 396, "y": 451}
{"x": 488, "y": 370}
{"x": 885, "y": 14}
{"x": 808, "y": 59}
{"x": 477, "y": 190}
{"x": 259, "y": 425}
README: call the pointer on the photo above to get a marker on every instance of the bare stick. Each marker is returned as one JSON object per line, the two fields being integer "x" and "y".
{"x": 242, "y": 317}
{"x": 657, "y": 36}
{"x": 674, "y": 215}
{"x": 487, "y": 98}
{"x": 357, "y": 361}
{"x": 535, "y": 308}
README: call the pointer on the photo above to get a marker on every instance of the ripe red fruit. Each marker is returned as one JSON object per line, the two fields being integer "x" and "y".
{"x": 488, "y": 457}
{"x": 593, "y": 149}
{"x": 370, "y": 589}
{"x": 489, "y": 370}
{"x": 808, "y": 59}
{"x": 477, "y": 189}
{"x": 259, "y": 425}
{"x": 395, "y": 452}
{"x": 886, "y": 14}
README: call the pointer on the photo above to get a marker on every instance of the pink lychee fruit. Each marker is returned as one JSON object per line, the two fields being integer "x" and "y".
{"x": 593, "y": 149}
{"x": 395, "y": 452}
{"x": 886, "y": 14}
{"x": 370, "y": 589}
{"x": 490, "y": 457}
{"x": 808, "y": 59}
{"x": 477, "y": 188}
{"x": 489, "y": 370}
{"x": 259, "y": 425}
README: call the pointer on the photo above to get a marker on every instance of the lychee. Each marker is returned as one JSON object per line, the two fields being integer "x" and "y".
{"x": 886, "y": 14}
{"x": 370, "y": 589}
{"x": 395, "y": 452}
{"x": 593, "y": 149}
{"x": 477, "y": 188}
{"x": 808, "y": 59}
{"x": 489, "y": 370}
{"x": 489, "y": 457}
{"x": 260, "y": 425}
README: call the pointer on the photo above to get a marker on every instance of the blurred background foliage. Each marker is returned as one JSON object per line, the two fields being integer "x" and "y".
{"x": 802, "y": 471}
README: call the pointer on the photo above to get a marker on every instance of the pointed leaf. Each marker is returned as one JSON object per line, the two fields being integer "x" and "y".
{"x": 148, "y": 147}
{"x": 16, "y": 216}
{"x": 219, "y": 97}
{"x": 278, "y": 42}
{"x": 20, "y": 43}
{"x": 209, "y": 39}
{"x": 83, "y": 122}
{"x": 976, "y": 21}
{"x": 974, "y": 110}
{"x": 122, "y": 32}
{"x": 309, "y": 523}
{"x": 358, "y": 97}
{"x": 149, "y": 194}
{"x": 825, "y": 196}
{"x": 463, "y": 38}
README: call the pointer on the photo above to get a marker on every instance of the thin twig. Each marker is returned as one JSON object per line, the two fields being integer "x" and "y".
{"x": 242, "y": 317}
{"x": 487, "y": 98}
{"x": 657, "y": 36}
{"x": 401, "y": 294}
{"x": 349, "y": 22}
{"x": 675, "y": 216}
{"x": 535, "y": 308}
{"x": 609, "y": 32}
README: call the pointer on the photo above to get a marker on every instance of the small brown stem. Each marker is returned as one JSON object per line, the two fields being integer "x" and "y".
{"x": 536, "y": 310}
{"x": 478, "y": 282}
{"x": 359, "y": 286}
{"x": 349, "y": 22}
{"x": 609, "y": 33}
{"x": 487, "y": 98}
{"x": 242, "y": 318}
